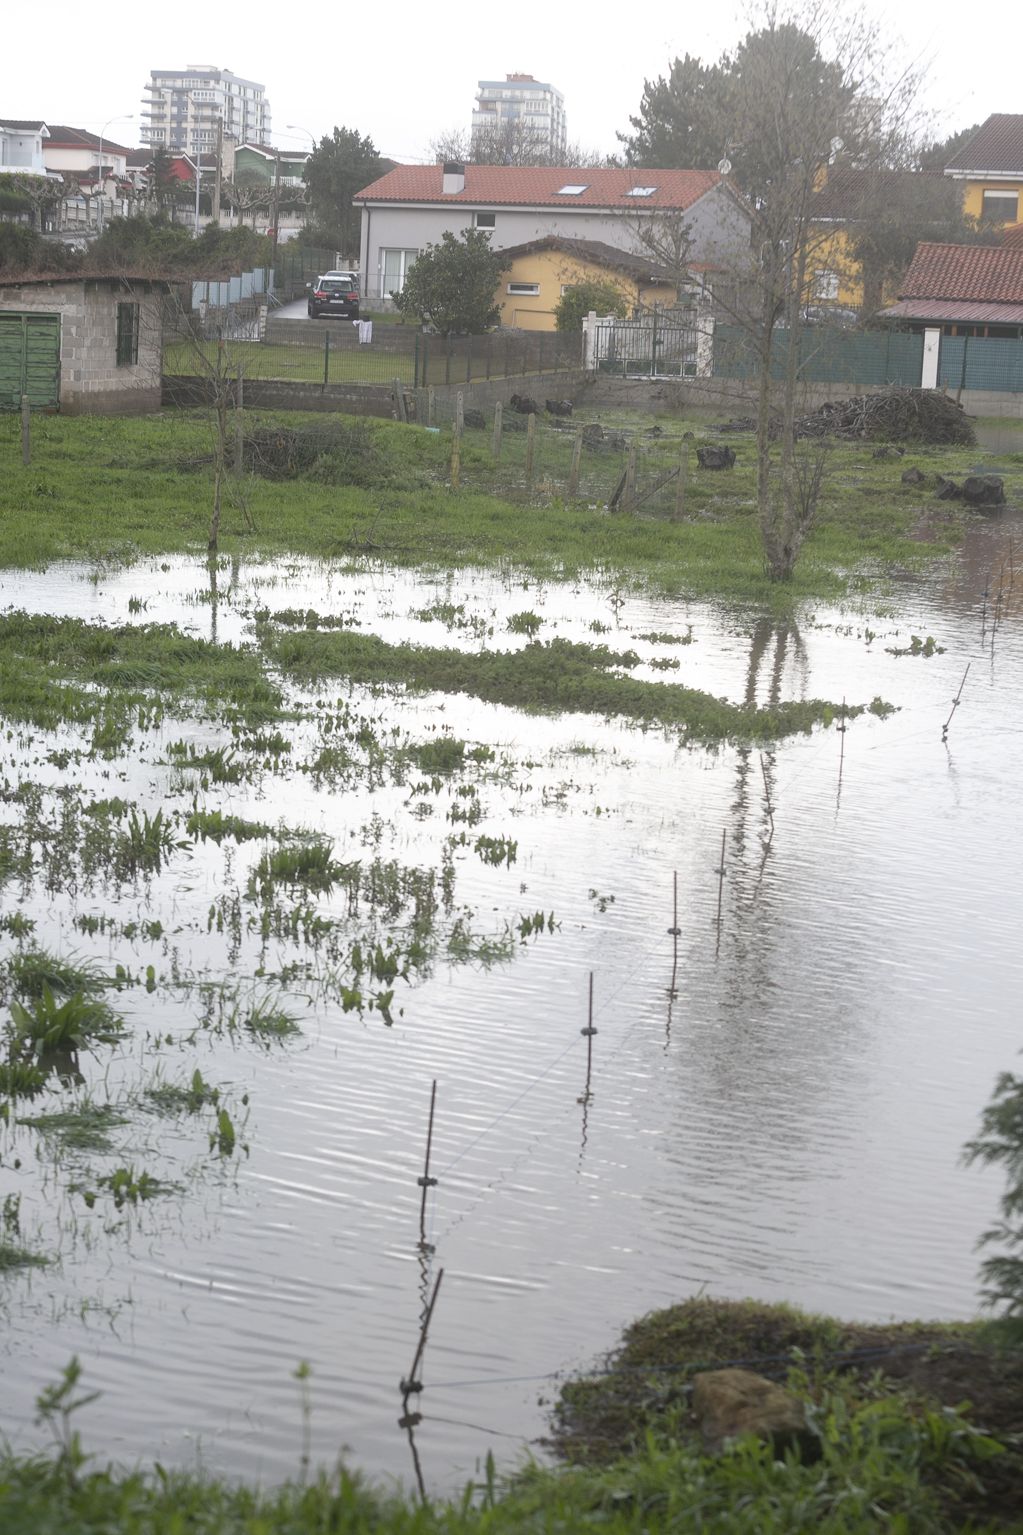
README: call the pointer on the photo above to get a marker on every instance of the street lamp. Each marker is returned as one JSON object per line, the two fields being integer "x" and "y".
{"x": 125, "y": 117}
{"x": 310, "y": 136}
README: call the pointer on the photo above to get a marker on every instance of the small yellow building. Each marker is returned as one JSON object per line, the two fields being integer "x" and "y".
{"x": 542, "y": 270}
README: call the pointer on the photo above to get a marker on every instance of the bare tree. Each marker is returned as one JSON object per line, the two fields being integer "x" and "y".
{"x": 511, "y": 142}
{"x": 248, "y": 193}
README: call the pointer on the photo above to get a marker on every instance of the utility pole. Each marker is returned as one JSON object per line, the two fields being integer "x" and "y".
{"x": 219, "y": 170}
{"x": 276, "y": 213}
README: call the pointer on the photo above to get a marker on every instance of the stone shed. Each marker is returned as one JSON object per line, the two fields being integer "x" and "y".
{"x": 82, "y": 344}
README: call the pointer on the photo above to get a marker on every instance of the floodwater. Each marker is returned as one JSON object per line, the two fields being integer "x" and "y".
{"x": 785, "y": 1122}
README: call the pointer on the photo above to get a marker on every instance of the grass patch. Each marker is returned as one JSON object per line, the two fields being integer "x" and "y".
{"x": 86, "y": 1128}
{"x": 214, "y": 826}
{"x": 35, "y": 969}
{"x": 107, "y": 489}
{"x": 13, "y": 1256}
{"x": 50, "y": 1027}
{"x": 557, "y": 676}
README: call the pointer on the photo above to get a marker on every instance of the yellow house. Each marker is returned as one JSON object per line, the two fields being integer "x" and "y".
{"x": 865, "y": 225}
{"x": 542, "y": 270}
{"x": 989, "y": 169}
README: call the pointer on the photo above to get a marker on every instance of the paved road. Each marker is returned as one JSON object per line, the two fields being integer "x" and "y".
{"x": 294, "y": 311}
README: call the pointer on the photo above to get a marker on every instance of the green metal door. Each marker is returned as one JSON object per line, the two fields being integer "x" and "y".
{"x": 29, "y": 360}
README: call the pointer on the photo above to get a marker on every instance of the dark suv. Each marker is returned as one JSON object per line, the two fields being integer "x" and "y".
{"x": 334, "y": 295}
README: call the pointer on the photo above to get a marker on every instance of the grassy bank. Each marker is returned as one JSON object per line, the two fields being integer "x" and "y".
{"x": 102, "y": 489}
{"x": 894, "y": 1453}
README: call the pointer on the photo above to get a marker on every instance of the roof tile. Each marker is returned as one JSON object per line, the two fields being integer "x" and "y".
{"x": 997, "y": 146}
{"x": 539, "y": 186}
{"x": 981, "y": 273}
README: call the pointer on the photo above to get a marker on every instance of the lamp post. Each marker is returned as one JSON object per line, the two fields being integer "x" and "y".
{"x": 124, "y": 117}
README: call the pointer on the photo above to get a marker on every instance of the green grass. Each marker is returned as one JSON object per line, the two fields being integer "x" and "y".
{"x": 35, "y": 969}
{"x": 13, "y": 1256}
{"x": 561, "y": 675}
{"x": 85, "y": 1128}
{"x": 113, "y": 489}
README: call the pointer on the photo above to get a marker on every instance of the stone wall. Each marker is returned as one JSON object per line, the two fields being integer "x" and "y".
{"x": 269, "y": 394}
{"x": 91, "y": 382}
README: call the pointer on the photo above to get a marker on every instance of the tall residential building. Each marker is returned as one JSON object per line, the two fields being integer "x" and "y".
{"x": 527, "y": 109}
{"x": 182, "y": 107}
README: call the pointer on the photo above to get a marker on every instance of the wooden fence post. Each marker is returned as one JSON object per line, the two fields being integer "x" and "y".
{"x": 680, "y": 484}
{"x": 456, "y": 454}
{"x": 430, "y": 405}
{"x": 630, "y": 475}
{"x": 326, "y": 359}
{"x": 498, "y": 421}
{"x": 460, "y": 412}
{"x": 573, "y": 474}
{"x": 401, "y": 409}
{"x": 530, "y": 448}
{"x": 239, "y": 424}
{"x": 26, "y": 430}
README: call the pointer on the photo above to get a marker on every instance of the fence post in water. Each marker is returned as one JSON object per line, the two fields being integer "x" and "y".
{"x": 460, "y": 412}
{"x": 675, "y": 932}
{"x": 955, "y": 704}
{"x": 498, "y": 421}
{"x": 426, "y": 1182}
{"x": 456, "y": 454}
{"x": 721, "y": 887}
{"x": 530, "y": 448}
{"x": 588, "y": 1034}
{"x": 26, "y": 430}
{"x": 411, "y": 1383}
{"x": 573, "y": 473}
{"x": 630, "y": 475}
{"x": 239, "y": 423}
{"x": 326, "y": 359}
{"x": 680, "y": 483}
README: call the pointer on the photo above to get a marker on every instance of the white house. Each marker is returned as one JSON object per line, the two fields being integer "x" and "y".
{"x": 22, "y": 147}
{"x": 414, "y": 205}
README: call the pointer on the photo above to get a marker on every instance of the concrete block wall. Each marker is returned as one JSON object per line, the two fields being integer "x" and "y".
{"x": 90, "y": 379}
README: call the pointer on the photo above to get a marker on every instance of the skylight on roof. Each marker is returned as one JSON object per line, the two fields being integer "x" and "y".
{"x": 572, "y": 189}
{"x": 641, "y": 192}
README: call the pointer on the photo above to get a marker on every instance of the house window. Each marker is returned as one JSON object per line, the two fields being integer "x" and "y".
{"x": 1000, "y": 207}
{"x": 641, "y": 192}
{"x": 396, "y": 266}
{"x": 524, "y": 289}
{"x": 484, "y": 220}
{"x": 572, "y": 189}
{"x": 825, "y": 284}
{"x": 127, "y": 335}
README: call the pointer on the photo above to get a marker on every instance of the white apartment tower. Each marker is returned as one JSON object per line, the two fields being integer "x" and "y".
{"x": 182, "y": 107}
{"x": 521, "y": 104}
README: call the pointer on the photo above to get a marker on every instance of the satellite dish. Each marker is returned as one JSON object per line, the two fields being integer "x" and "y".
{"x": 724, "y": 166}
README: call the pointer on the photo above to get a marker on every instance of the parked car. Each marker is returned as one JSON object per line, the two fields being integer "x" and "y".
{"x": 334, "y": 295}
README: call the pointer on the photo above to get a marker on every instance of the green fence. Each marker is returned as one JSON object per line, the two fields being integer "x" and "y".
{"x": 826, "y": 356}
{"x": 980, "y": 362}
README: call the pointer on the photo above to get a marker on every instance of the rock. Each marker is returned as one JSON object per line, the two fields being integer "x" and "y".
{"x": 715, "y": 458}
{"x": 887, "y": 450}
{"x": 593, "y": 432}
{"x": 524, "y": 404}
{"x": 947, "y": 490}
{"x": 728, "y": 1403}
{"x": 654, "y": 431}
{"x": 984, "y": 490}
{"x": 475, "y": 419}
{"x": 559, "y": 407}
{"x": 913, "y": 476}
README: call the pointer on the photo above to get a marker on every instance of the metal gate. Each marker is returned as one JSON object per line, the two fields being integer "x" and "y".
{"x": 29, "y": 360}
{"x": 656, "y": 345}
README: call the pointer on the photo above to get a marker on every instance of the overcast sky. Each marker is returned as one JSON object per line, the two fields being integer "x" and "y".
{"x": 404, "y": 73}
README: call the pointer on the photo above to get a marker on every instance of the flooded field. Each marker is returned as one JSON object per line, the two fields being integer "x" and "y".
{"x": 301, "y": 907}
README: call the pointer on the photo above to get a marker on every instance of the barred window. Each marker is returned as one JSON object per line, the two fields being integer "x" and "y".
{"x": 127, "y": 335}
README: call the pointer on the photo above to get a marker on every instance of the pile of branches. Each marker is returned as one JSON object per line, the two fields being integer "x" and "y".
{"x": 893, "y": 415}
{"x": 284, "y": 452}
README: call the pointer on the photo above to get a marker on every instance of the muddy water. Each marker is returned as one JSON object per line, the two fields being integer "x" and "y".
{"x": 786, "y": 1125}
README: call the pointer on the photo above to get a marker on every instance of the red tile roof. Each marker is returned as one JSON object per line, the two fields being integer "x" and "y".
{"x": 532, "y": 186}
{"x": 1012, "y": 236}
{"x": 852, "y": 192}
{"x": 997, "y": 146}
{"x": 980, "y": 273}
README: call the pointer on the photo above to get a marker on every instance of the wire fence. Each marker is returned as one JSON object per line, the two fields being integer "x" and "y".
{"x": 340, "y": 351}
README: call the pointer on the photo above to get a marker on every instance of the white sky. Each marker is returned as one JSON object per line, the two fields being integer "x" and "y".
{"x": 404, "y": 72}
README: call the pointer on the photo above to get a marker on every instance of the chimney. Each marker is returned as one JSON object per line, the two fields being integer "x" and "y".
{"x": 454, "y": 178}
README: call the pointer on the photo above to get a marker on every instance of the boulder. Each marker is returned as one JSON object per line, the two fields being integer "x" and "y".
{"x": 559, "y": 407}
{"x": 913, "y": 476}
{"x": 729, "y": 1403}
{"x": 593, "y": 432}
{"x": 475, "y": 419}
{"x": 984, "y": 490}
{"x": 524, "y": 404}
{"x": 715, "y": 458}
{"x": 948, "y": 490}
